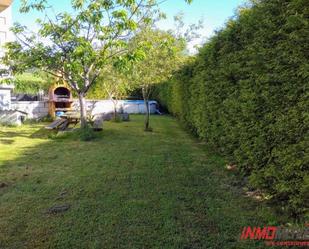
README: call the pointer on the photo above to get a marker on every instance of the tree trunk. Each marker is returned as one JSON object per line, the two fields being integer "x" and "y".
{"x": 147, "y": 115}
{"x": 115, "y": 109}
{"x": 83, "y": 114}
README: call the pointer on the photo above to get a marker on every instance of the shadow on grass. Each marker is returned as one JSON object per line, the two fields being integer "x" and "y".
{"x": 36, "y": 131}
{"x": 6, "y": 141}
{"x": 43, "y": 133}
{"x": 126, "y": 189}
{"x": 13, "y": 134}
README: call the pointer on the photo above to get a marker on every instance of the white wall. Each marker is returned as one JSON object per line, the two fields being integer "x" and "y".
{"x": 105, "y": 106}
{"x": 5, "y": 96}
{"x": 5, "y": 24}
{"x": 5, "y": 99}
{"x": 34, "y": 109}
{"x": 39, "y": 109}
{"x": 11, "y": 117}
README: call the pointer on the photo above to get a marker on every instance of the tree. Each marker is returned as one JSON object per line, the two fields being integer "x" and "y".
{"x": 77, "y": 47}
{"x": 32, "y": 82}
{"x": 115, "y": 85}
{"x": 163, "y": 54}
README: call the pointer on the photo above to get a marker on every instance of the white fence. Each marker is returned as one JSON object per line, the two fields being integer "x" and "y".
{"x": 39, "y": 109}
{"x": 126, "y": 106}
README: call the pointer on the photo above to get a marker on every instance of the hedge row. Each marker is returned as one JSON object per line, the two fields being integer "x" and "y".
{"x": 246, "y": 93}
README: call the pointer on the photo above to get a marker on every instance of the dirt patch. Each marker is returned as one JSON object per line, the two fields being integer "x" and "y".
{"x": 3, "y": 185}
{"x": 58, "y": 209}
{"x": 62, "y": 195}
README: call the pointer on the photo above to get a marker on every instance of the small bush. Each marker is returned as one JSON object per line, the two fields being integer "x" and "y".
{"x": 87, "y": 134}
{"x": 117, "y": 118}
{"x": 47, "y": 118}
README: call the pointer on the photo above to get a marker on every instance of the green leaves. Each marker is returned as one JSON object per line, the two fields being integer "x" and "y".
{"x": 121, "y": 14}
{"x": 246, "y": 94}
{"x": 83, "y": 41}
{"x": 155, "y": 56}
{"x": 27, "y": 5}
{"x": 18, "y": 28}
{"x": 77, "y": 4}
{"x": 78, "y": 47}
{"x": 31, "y": 82}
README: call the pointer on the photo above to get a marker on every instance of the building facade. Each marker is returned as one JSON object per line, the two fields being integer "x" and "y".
{"x": 5, "y": 36}
{"x": 5, "y": 24}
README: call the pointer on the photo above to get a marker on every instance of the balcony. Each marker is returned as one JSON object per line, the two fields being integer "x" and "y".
{"x": 5, "y": 4}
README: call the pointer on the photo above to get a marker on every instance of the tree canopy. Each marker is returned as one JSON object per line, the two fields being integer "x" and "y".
{"x": 77, "y": 47}
{"x": 163, "y": 54}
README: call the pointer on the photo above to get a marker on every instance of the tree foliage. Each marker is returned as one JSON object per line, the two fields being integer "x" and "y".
{"x": 162, "y": 57}
{"x": 32, "y": 82}
{"x": 246, "y": 93}
{"x": 116, "y": 86}
{"x": 77, "y": 47}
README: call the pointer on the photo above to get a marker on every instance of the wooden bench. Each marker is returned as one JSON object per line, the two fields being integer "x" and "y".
{"x": 64, "y": 121}
{"x": 58, "y": 124}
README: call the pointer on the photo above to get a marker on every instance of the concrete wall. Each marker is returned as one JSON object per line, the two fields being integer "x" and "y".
{"x": 11, "y": 117}
{"x": 5, "y": 99}
{"x": 5, "y": 96}
{"x": 34, "y": 109}
{"x": 39, "y": 109}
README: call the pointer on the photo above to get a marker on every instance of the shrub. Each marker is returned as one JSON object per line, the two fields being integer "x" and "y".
{"x": 246, "y": 93}
{"x": 85, "y": 134}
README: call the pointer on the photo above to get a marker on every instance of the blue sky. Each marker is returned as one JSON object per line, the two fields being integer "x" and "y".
{"x": 214, "y": 13}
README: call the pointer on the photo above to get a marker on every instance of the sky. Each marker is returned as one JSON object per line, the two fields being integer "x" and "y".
{"x": 214, "y": 14}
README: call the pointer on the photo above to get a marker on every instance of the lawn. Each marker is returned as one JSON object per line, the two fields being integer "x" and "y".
{"x": 125, "y": 189}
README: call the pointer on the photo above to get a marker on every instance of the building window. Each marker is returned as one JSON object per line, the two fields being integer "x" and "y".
{"x": 2, "y": 20}
{"x": 2, "y": 38}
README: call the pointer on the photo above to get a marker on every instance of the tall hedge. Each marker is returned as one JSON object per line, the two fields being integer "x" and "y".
{"x": 246, "y": 93}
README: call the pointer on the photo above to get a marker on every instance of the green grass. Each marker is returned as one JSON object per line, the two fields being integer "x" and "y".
{"x": 126, "y": 189}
